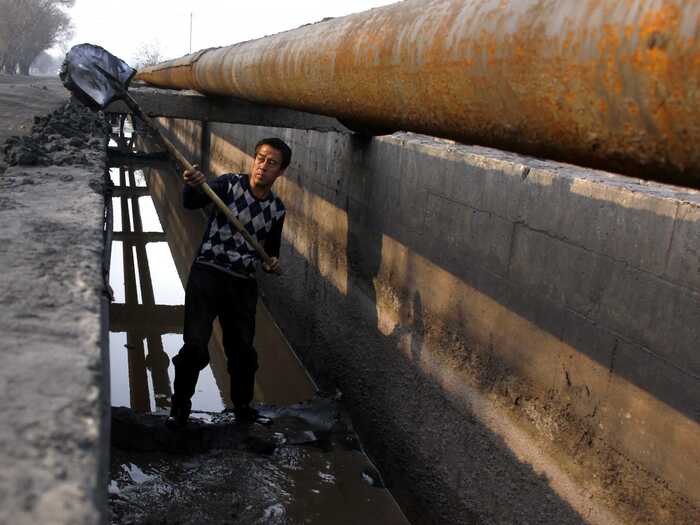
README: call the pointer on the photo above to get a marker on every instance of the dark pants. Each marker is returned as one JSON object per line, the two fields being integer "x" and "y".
{"x": 212, "y": 293}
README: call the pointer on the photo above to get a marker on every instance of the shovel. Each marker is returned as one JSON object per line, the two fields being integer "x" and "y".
{"x": 97, "y": 78}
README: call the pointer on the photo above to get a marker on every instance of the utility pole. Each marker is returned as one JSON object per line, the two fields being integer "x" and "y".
{"x": 190, "y": 31}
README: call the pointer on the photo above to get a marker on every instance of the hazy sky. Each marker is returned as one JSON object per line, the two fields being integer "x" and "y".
{"x": 122, "y": 26}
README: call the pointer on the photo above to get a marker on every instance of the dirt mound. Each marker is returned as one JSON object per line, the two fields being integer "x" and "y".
{"x": 57, "y": 139}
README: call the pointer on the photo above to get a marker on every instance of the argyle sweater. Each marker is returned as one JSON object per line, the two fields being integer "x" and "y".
{"x": 224, "y": 247}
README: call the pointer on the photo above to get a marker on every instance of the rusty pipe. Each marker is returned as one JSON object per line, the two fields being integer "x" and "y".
{"x": 612, "y": 84}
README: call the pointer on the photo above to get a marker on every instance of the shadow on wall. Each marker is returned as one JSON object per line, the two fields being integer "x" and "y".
{"x": 516, "y": 252}
{"x": 441, "y": 468}
{"x": 587, "y": 288}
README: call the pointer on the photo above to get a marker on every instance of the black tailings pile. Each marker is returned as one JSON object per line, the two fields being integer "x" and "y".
{"x": 57, "y": 139}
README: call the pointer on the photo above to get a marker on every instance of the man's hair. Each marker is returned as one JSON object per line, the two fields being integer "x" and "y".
{"x": 280, "y": 146}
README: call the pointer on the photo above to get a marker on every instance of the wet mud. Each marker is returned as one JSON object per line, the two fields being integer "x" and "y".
{"x": 318, "y": 421}
{"x": 57, "y": 139}
{"x": 307, "y": 466}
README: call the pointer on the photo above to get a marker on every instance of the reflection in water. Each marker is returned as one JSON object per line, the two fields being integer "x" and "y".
{"x": 137, "y": 277}
{"x": 149, "y": 217}
{"x": 145, "y": 325}
{"x": 130, "y": 214}
{"x": 118, "y": 363}
{"x": 207, "y": 396}
{"x": 116, "y": 215}
{"x": 116, "y": 272}
{"x": 167, "y": 288}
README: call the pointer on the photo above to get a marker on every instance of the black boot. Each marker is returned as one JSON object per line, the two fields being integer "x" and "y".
{"x": 247, "y": 414}
{"x": 179, "y": 414}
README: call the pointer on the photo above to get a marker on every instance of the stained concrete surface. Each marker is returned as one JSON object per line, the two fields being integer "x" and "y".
{"x": 53, "y": 461}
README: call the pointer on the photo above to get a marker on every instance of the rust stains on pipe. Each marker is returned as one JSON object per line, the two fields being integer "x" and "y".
{"x": 612, "y": 84}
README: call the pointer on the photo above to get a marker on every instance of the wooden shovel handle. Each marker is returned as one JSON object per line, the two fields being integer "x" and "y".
{"x": 207, "y": 189}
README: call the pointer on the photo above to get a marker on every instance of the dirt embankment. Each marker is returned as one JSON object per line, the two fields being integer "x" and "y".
{"x": 57, "y": 139}
{"x": 40, "y": 127}
{"x": 52, "y": 181}
{"x": 22, "y": 102}
{"x": 21, "y": 98}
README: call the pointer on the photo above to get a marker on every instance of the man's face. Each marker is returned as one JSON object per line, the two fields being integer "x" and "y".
{"x": 267, "y": 166}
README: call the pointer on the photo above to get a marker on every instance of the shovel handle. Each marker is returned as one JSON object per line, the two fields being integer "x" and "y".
{"x": 207, "y": 189}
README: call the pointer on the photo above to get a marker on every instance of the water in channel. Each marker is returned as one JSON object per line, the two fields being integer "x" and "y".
{"x": 309, "y": 468}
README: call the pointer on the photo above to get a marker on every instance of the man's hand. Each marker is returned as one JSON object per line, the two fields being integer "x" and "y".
{"x": 274, "y": 267}
{"x": 194, "y": 177}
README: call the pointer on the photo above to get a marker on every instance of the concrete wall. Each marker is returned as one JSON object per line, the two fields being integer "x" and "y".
{"x": 54, "y": 362}
{"x": 516, "y": 339}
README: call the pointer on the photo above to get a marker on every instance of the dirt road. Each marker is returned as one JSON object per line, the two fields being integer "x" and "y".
{"x": 21, "y": 98}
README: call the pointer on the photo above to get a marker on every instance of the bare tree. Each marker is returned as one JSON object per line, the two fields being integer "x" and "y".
{"x": 46, "y": 64}
{"x": 147, "y": 54}
{"x": 28, "y": 27}
{"x": 8, "y": 18}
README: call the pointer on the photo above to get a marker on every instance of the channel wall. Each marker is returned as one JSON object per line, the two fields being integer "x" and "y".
{"x": 515, "y": 338}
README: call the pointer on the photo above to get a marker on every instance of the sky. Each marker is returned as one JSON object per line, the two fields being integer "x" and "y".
{"x": 124, "y": 26}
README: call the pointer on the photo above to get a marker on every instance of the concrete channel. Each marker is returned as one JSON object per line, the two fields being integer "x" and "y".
{"x": 516, "y": 336}
{"x": 515, "y": 339}
{"x": 306, "y": 474}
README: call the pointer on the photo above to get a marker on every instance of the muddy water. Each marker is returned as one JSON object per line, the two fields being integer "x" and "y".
{"x": 308, "y": 475}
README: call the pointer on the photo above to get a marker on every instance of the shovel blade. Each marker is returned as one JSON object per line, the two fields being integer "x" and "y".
{"x": 95, "y": 76}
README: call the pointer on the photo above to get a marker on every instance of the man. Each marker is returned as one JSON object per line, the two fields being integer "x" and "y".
{"x": 222, "y": 278}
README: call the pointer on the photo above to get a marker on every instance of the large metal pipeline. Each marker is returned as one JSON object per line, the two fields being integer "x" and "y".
{"x": 605, "y": 83}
